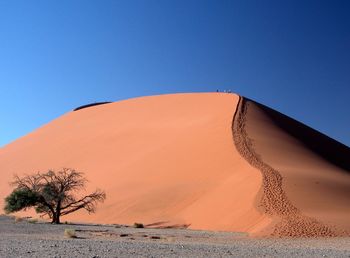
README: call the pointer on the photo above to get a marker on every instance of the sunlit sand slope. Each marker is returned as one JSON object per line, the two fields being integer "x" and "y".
{"x": 306, "y": 175}
{"x": 168, "y": 159}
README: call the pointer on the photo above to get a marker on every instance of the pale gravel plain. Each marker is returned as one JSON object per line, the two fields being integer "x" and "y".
{"x": 23, "y": 239}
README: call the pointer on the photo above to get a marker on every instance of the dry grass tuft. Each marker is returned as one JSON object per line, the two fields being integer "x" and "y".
{"x": 70, "y": 233}
{"x": 32, "y": 221}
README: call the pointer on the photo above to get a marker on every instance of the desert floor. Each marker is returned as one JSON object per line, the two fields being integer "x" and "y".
{"x": 24, "y": 239}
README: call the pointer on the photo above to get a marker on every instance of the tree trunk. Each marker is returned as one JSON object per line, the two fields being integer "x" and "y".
{"x": 55, "y": 218}
{"x": 58, "y": 219}
{"x": 58, "y": 212}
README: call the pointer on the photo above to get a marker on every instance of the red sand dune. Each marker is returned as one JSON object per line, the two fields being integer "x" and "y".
{"x": 211, "y": 161}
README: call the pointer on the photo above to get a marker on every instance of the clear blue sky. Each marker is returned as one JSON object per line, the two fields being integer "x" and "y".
{"x": 293, "y": 56}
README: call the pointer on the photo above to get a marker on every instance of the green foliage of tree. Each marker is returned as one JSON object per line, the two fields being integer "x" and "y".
{"x": 20, "y": 199}
{"x": 52, "y": 193}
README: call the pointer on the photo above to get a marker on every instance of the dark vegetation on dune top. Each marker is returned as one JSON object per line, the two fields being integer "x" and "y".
{"x": 91, "y": 105}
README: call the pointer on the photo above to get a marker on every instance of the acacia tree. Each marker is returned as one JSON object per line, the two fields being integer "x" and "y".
{"x": 52, "y": 193}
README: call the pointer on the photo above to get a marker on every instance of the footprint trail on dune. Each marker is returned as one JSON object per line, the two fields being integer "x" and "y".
{"x": 274, "y": 201}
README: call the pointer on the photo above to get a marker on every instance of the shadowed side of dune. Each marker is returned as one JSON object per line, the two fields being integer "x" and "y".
{"x": 322, "y": 145}
{"x": 291, "y": 158}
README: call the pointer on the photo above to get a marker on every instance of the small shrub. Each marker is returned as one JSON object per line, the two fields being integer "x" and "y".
{"x": 18, "y": 219}
{"x": 138, "y": 225}
{"x": 70, "y": 233}
{"x": 33, "y": 221}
